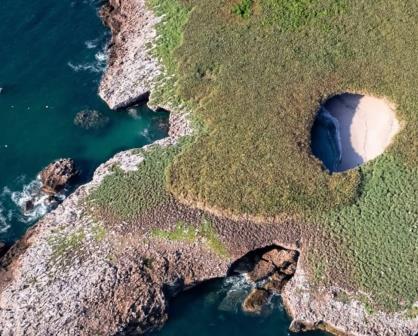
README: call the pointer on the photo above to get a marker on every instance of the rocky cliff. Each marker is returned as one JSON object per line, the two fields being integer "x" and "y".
{"x": 73, "y": 274}
{"x": 131, "y": 70}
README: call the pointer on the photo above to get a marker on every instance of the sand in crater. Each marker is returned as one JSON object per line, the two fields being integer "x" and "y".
{"x": 367, "y": 126}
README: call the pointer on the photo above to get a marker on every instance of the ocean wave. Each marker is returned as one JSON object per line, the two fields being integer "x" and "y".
{"x": 98, "y": 66}
{"x": 26, "y": 205}
{"x": 91, "y": 44}
{"x": 234, "y": 290}
{"x": 85, "y": 67}
{"x": 4, "y": 219}
{"x": 101, "y": 56}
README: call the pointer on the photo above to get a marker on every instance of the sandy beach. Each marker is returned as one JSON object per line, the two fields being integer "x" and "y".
{"x": 367, "y": 127}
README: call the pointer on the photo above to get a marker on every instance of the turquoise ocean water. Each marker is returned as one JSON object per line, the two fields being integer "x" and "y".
{"x": 214, "y": 309}
{"x": 51, "y": 59}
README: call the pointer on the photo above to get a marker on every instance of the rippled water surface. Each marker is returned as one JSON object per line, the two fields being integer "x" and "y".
{"x": 51, "y": 59}
{"x": 214, "y": 309}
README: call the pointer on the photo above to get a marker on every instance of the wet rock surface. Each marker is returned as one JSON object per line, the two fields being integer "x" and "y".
{"x": 3, "y": 248}
{"x": 256, "y": 300}
{"x": 269, "y": 269}
{"x": 70, "y": 275}
{"x": 57, "y": 175}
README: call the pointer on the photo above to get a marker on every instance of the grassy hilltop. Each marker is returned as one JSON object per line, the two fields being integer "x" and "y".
{"x": 254, "y": 74}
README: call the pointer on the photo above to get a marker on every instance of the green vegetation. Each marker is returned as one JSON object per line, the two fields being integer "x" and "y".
{"x": 343, "y": 297}
{"x": 170, "y": 37}
{"x": 412, "y": 312}
{"x": 126, "y": 195}
{"x": 182, "y": 232}
{"x": 380, "y": 233}
{"x": 99, "y": 232}
{"x": 188, "y": 233}
{"x": 368, "y": 306}
{"x": 257, "y": 84}
{"x": 243, "y": 8}
{"x": 291, "y": 15}
{"x": 63, "y": 246}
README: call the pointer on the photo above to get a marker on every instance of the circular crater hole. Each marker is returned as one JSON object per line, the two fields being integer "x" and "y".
{"x": 351, "y": 129}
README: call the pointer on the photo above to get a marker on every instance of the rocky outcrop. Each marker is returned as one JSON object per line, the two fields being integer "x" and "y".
{"x": 255, "y": 301}
{"x": 131, "y": 71}
{"x": 3, "y": 248}
{"x": 90, "y": 119}
{"x": 319, "y": 308}
{"x": 74, "y": 275}
{"x": 57, "y": 175}
{"x": 269, "y": 269}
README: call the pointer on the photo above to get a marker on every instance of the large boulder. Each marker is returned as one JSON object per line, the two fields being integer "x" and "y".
{"x": 256, "y": 300}
{"x": 281, "y": 258}
{"x": 56, "y": 175}
{"x": 270, "y": 272}
{"x": 262, "y": 270}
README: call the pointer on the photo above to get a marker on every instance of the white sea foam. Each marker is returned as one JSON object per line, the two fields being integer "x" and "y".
{"x": 17, "y": 203}
{"x": 101, "y": 56}
{"x": 91, "y": 44}
{"x": 99, "y": 65}
{"x": 85, "y": 67}
{"x": 4, "y": 219}
{"x": 133, "y": 113}
{"x": 31, "y": 193}
{"x": 146, "y": 134}
{"x": 236, "y": 288}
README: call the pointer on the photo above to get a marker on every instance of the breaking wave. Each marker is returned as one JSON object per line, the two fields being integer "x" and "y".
{"x": 26, "y": 205}
{"x": 234, "y": 290}
{"x": 97, "y": 66}
{"x": 91, "y": 44}
{"x": 5, "y": 217}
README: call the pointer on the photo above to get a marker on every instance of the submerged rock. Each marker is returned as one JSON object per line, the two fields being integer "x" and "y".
{"x": 90, "y": 119}
{"x": 269, "y": 272}
{"x": 56, "y": 175}
{"x": 28, "y": 205}
{"x": 256, "y": 300}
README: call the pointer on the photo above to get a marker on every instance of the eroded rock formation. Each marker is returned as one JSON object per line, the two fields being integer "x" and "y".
{"x": 57, "y": 175}
{"x": 269, "y": 269}
{"x": 74, "y": 275}
{"x": 131, "y": 71}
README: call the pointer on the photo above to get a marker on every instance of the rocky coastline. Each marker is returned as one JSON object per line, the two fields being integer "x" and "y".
{"x": 73, "y": 275}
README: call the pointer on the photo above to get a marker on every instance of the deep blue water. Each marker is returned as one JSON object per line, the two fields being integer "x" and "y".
{"x": 214, "y": 308}
{"x": 51, "y": 60}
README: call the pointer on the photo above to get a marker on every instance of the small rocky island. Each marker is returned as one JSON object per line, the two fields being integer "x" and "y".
{"x": 109, "y": 258}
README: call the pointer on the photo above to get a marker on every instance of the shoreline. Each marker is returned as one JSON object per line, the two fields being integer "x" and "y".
{"x": 195, "y": 265}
